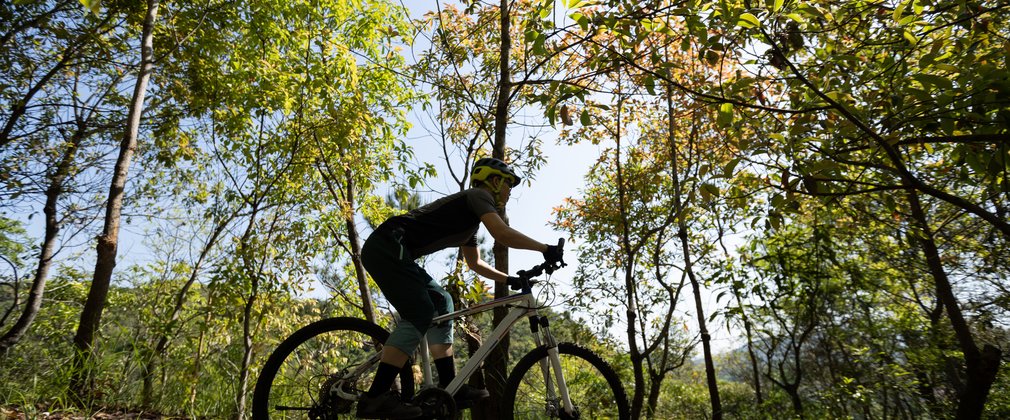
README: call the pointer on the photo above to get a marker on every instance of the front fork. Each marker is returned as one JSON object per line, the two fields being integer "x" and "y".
{"x": 543, "y": 337}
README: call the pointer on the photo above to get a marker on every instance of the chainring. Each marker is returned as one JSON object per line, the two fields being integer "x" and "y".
{"x": 436, "y": 404}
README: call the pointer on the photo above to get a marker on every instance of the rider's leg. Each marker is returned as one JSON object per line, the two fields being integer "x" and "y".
{"x": 389, "y": 366}
{"x": 440, "y": 340}
{"x": 439, "y": 351}
{"x": 441, "y": 356}
{"x": 439, "y": 336}
{"x": 403, "y": 282}
{"x": 394, "y": 355}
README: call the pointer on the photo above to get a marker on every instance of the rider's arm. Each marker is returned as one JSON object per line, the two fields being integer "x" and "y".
{"x": 507, "y": 236}
{"x": 472, "y": 257}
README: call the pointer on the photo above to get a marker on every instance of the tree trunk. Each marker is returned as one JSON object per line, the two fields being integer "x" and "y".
{"x": 755, "y": 372}
{"x": 631, "y": 304}
{"x": 713, "y": 386}
{"x": 981, "y": 366}
{"x": 56, "y": 182}
{"x": 355, "y": 245}
{"x": 249, "y": 266}
{"x": 794, "y": 396}
{"x": 637, "y": 368}
{"x": 706, "y": 339}
{"x": 198, "y": 358}
{"x": 107, "y": 242}
{"x": 655, "y": 387}
{"x": 495, "y": 372}
{"x": 247, "y": 350}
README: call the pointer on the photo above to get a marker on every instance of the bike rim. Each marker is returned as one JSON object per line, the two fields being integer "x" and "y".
{"x": 591, "y": 393}
{"x": 299, "y": 386}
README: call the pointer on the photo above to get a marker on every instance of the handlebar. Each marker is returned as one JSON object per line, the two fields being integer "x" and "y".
{"x": 526, "y": 276}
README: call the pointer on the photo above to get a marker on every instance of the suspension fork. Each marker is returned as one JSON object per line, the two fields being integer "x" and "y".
{"x": 540, "y": 327}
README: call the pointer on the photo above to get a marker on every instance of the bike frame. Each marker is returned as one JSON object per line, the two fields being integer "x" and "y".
{"x": 523, "y": 305}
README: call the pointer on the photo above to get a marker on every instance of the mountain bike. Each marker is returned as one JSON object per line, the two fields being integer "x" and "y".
{"x": 321, "y": 370}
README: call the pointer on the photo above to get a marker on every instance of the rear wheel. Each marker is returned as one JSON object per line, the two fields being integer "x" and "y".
{"x": 594, "y": 387}
{"x": 302, "y": 377}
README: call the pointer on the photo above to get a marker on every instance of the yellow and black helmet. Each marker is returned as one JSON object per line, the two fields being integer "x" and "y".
{"x": 485, "y": 168}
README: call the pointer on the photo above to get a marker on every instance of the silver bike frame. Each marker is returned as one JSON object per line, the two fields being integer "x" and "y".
{"x": 523, "y": 305}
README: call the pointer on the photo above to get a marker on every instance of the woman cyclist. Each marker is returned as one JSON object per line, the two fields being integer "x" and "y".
{"x": 389, "y": 256}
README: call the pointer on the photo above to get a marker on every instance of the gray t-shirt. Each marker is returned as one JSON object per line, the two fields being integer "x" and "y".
{"x": 447, "y": 222}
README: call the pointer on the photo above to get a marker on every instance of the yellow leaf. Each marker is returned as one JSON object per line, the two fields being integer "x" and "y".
{"x": 94, "y": 6}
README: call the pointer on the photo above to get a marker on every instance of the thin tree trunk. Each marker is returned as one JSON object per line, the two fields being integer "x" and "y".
{"x": 355, "y": 244}
{"x": 755, "y": 372}
{"x": 108, "y": 241}
{"x": 655, "y": 386}
{"x": 495, "y": 366}
{"x": 472, "y": 335}
{"x": 981, "y": 366}
{"x": 198, "y": 358}
{"x": 247, "y": 314}
{"x": 56, "y": 182}
{"x": 631, "y": 303}
{"x": 706, "y": 339}
{"x": 247, "y": 349}
{"x": 713, "y": 386}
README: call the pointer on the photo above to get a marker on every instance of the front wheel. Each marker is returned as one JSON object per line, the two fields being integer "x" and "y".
{"x": 595, "y": 390}
{"x": 309, "y": 375}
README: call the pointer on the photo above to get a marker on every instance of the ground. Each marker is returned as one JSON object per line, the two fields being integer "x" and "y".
{"x": 18, "y": 413}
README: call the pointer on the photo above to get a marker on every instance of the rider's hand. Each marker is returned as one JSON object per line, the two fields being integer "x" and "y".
{"x": 553, "y": 254}
{"x": 515, "y": 283}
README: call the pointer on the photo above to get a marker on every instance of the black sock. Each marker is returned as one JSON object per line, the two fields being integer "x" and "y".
{"x": 384, "y": 378}
{"x": 446, "y": 371}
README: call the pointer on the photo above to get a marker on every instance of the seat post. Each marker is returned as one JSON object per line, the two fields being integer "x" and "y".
{"x": 426, "y": 363}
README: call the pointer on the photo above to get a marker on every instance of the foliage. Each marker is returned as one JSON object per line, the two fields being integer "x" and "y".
{"x": 800, "y": 158}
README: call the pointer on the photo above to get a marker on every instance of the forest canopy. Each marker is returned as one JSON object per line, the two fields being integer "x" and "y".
{"x": 828, "y": 181}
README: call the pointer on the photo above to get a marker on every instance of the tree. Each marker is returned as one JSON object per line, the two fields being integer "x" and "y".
{"x": 62, "y": 110}
{"x": 844, "y": 103}
{"x": 92, "y": 313}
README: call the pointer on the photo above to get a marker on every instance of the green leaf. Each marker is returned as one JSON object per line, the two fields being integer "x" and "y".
{"x": 748, "y": 20}
{"x": 725, "y": 116}
{"x": 898, "y": 11}
{"x": 933, "y": 80}
{"x": 530, "y": 35}
{"x": 709, "y": 191}
{"x": 947, "y": 67}
{"x": 582, "y": 20}
{"x": 796, "y": 18}
{"x": 584, "y": 118}
{"x": 777, "y": 6}
{"x": 650, "y": 84}
{"x": 728, "y": 169}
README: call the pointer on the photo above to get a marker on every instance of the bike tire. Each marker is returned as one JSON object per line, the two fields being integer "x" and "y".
{"x": 595, "y": 388}
{"x": 296, "y": 370}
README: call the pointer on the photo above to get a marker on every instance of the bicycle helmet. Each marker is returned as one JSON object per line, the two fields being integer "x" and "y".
{"x": 485, "y": 168}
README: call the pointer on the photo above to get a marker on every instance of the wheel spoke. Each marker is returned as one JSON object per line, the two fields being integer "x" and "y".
{"x": 594, "y": 389}
{"x": 298, "y": 379}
